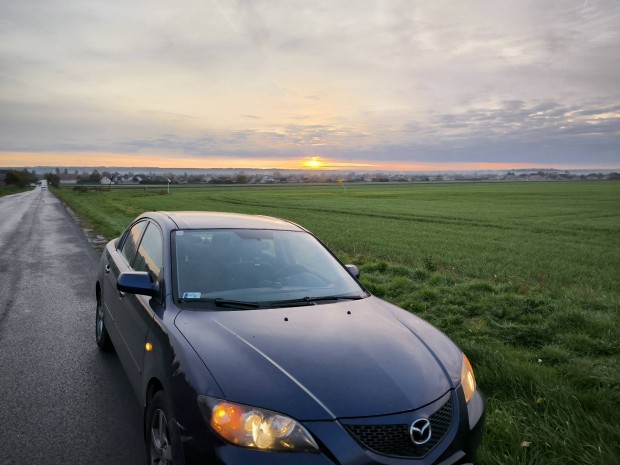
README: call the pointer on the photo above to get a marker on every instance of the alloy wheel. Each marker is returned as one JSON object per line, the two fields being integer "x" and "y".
{"x": 161, "y": 451}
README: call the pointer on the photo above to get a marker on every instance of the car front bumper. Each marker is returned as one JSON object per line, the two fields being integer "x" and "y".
{"x": 338, "y": 446}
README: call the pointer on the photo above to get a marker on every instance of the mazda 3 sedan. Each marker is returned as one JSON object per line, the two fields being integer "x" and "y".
{"x": 247, "y": 342}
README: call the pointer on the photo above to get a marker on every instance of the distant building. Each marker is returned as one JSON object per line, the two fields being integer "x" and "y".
{"x": 68, "y": 178}
{"x": 126, "y": 179}
{"x": 106, "y": 181}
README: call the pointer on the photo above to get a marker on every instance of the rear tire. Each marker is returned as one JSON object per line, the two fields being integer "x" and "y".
{"x": 163, "y": 441}
{"x": 101, "y": 333}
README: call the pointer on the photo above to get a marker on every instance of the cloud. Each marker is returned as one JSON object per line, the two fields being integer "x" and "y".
{"x": 397, "y": 81}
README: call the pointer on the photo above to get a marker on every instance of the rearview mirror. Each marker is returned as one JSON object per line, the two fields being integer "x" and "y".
{"x": 136, "y": 282}
{"x": 353, "y": 271}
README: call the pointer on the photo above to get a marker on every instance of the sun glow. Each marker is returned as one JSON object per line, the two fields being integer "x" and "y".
{"x": 138, "y": 161}
{"x": 314, "y": 162}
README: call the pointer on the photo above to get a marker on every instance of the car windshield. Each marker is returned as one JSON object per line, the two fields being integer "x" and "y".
{"x": 233, "y": 267}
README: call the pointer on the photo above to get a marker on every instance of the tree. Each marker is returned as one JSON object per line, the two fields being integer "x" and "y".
{"x": 94, "y": 177}
{"x": 19, "y": 178}
{"x": 52, "y": 179}
{"x": 241, "y": 179}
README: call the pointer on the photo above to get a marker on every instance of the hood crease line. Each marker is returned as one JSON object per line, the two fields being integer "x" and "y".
{"x": 286, "y": 373}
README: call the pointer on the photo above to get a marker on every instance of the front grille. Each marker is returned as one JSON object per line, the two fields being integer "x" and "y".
{"x": 395, "y": 441}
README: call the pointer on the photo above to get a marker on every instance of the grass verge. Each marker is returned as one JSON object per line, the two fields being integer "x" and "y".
{"x": 8, "y": 190}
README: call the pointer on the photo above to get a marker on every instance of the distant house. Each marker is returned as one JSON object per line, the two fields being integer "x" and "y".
{"x": 126, "y": 179}
{"x": 106, "y": 181}
{"x": 68, "y": 178}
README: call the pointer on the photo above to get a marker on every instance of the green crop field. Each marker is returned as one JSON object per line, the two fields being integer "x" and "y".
{"x": 525, "y": 277}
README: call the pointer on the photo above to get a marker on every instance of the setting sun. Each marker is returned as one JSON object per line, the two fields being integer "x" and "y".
{"x": 314, "y": 162}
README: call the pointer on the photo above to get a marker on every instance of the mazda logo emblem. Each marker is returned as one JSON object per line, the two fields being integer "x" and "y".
{"x": 420, "y": 431}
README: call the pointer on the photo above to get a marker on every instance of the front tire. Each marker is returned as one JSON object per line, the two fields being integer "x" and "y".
{"x": 101, "y": 333}
{"x": 163, "y": 443}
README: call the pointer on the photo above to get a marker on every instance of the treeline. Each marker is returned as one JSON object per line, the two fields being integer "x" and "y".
{"x": 24, "y": 178}
{"x": 20, "y": 178}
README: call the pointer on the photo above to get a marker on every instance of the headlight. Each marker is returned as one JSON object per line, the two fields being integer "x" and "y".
{"x": 467, "y": 379}
{"x": 255, "y": 428}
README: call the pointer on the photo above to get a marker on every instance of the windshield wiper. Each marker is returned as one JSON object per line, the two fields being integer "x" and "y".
{"x": 219, "y": 302}
{"x": 310, "y": 300}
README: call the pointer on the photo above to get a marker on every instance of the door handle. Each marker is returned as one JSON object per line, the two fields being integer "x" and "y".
{"x": 107, "y": 269}
{"x": 121, "y": 295}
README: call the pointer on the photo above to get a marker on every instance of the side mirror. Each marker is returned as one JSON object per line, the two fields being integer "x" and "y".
{"x": 136, "y": 282}
{"x": 353, "y": 271}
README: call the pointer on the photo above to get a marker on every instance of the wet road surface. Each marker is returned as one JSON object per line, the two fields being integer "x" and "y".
{"x": 61, "y": 400}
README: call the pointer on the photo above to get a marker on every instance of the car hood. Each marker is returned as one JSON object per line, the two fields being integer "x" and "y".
{"x": 342, "y": 360}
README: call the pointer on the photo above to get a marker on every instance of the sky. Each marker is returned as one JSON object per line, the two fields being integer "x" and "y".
{"x": 355, "y": 85}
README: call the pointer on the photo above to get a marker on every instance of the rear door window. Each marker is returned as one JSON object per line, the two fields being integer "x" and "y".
{"x": 150, "y": 253}
{"x": 131, "y": 241}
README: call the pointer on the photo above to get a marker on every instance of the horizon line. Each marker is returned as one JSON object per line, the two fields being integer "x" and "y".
{"x": 307, "y": 169}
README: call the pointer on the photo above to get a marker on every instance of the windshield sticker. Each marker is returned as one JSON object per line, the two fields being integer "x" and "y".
{"x": 191, "y": 295}
{"x": 179, "y": 233}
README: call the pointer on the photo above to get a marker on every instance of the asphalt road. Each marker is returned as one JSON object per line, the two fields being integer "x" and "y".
{"x": 61, "y": 400}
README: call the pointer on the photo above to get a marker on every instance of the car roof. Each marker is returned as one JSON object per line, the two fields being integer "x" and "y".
{"x": 219, "y": 220}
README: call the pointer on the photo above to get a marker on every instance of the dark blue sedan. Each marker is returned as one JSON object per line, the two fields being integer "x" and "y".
{"x": 248, "y": 342}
